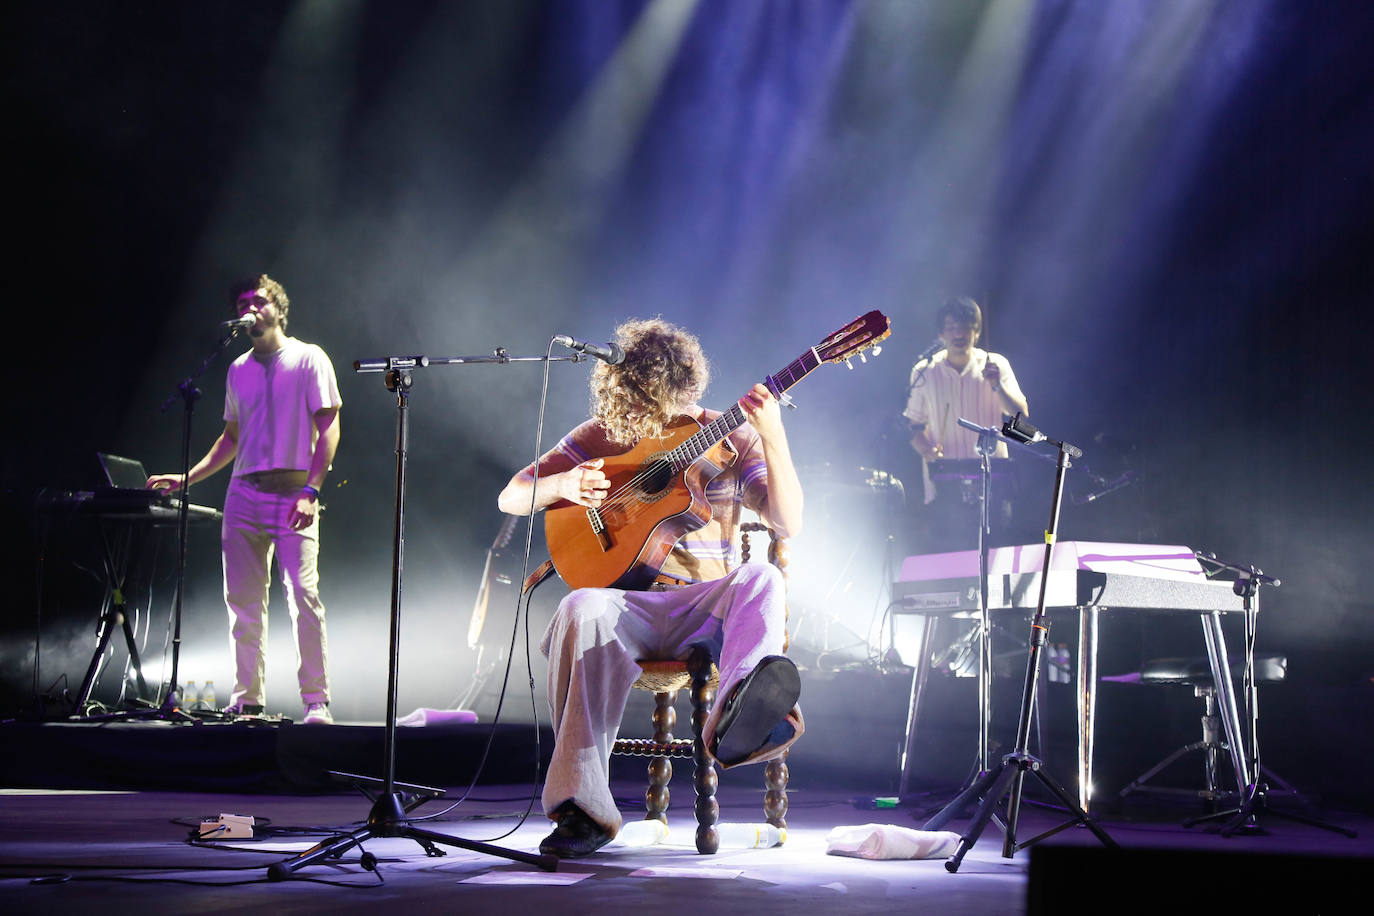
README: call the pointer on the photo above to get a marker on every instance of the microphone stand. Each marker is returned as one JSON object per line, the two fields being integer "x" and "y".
{"x": 986, "y": 445}
{"x": 388, "y": 816}
{"x": 167, "y": 707}
{"x": 993, "y": 785}
{"x": 1254, "y": 797}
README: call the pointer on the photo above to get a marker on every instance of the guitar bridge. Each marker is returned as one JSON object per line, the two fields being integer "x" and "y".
{"x": 598, "y": 524}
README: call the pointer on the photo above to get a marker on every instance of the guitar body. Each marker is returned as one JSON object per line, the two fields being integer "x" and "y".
{"x": 651, "y": 509}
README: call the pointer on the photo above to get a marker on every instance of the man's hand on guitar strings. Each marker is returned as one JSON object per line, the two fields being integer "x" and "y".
{"x": 585, "y": 484}
{"x": 763, "y": 411}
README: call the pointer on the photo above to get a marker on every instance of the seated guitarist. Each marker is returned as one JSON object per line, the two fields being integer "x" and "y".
{"x": 739, "y": 613}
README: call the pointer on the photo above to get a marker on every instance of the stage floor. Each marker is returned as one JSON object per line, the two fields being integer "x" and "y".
{"x": 128, "y": 851}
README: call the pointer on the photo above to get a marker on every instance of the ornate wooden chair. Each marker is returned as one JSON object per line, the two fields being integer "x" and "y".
{"x": 698, "y": 674}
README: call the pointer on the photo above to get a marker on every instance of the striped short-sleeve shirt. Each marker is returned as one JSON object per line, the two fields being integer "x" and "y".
{"x": 940, "y": 395}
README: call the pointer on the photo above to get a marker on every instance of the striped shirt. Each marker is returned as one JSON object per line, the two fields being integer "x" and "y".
{"x": 940, "y": 396}
{"x": 711, "y": 551}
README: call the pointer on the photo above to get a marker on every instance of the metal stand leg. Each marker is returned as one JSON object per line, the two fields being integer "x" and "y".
{"x": 1254, "y": 797}
{"x": 1086, "y": 701}
{"x": 919, "y": 673}
{"x": 992, "y": 786}
{"x": 388, "y": 815}
{"x": 115, "y": 613}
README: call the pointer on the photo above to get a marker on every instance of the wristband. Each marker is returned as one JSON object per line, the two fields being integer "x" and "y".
{"x": 311, "y": 490}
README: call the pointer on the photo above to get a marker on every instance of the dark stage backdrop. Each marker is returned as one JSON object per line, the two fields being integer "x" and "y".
{"x": 1164, "y": 206}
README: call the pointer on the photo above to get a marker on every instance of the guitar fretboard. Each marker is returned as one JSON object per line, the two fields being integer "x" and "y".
{"x": 732, "y": 419}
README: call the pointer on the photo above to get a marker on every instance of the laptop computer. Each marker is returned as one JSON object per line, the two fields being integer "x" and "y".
{"x": 123, "y": 473}
{"x": 126, "y": 495}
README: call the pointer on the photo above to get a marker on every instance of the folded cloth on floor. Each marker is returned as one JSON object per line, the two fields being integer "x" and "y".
{"x": 423, "y": 716}
{"x": 886, "y": 841}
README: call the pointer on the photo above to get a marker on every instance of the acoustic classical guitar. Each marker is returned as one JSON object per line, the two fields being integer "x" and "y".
{"x": 657, "y": 488}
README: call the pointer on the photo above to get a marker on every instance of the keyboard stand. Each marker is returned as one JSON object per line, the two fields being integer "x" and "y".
{"x": 113, "y": 613}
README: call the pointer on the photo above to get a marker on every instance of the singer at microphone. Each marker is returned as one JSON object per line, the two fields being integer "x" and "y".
{"x": 611, "y": 353}
{"x": 281, "y": 432}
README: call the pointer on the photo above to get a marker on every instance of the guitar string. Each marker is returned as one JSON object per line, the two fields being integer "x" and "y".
{"x": 702, "y": 442}
{"x": 627, "y": 492}
{"x": 793, "y": 373}
{"x": 699, "y": 442}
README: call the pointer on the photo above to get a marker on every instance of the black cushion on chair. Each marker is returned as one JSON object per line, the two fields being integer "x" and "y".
{"x": 1197, "y": 672}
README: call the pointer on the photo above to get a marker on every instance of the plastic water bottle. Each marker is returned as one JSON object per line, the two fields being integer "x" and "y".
{"x": 190, "y": 696}
{"x": 649, "y": 832}
{"x": 207, "y": 696}
{"x": 1057, "y": 659}
{"x": 750, "y": 836}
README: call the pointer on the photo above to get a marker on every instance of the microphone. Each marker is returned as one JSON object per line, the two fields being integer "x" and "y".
{"x": 611, "y": 353}
{"x": 1019, "y": 429}
{"x": 241, "y": 323}
{"x": 931, "y": 350}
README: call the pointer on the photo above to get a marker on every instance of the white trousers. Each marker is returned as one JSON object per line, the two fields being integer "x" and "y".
{"x": 592, "y": 645}
{"x": 255, "y": 528}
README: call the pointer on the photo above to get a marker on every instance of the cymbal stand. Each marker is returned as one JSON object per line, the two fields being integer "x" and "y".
{"x": 393, "y": 801}
{"x": 990, "y": 789}
{"x": 1244, "y": 818}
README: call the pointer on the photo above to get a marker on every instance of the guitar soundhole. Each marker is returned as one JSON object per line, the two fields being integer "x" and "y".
{"x": 655, "y": 479}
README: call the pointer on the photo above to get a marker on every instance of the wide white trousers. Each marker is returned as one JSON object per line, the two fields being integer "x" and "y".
{"x": 593, "y": 643}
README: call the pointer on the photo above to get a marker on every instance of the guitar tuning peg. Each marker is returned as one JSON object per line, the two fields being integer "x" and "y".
{"x": 848, "y": 363}
{"x": 877, "y": 349}
{"x": 863, "y": 358}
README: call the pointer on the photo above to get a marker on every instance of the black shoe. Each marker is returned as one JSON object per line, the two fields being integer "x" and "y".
{"x": 575, "y": 836}
{"x": 755, "y": 715}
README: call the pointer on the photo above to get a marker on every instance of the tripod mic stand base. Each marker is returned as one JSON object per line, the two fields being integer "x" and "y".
{"x": 989, "y": 791}
{"x": 388, "y": 819}
{"x": 1244, "y": 818}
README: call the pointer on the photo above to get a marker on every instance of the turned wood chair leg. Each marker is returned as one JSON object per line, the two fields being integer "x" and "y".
{"x": 775, "y": 798}
{"x": 704, "y": 778}
{"x": 661, "y": 768}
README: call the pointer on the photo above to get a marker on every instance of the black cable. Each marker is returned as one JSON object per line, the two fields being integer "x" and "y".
{"x": 63, "y": 877}
{"x": 500, "y": 701}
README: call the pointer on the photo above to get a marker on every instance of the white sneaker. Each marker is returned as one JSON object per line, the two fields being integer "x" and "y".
{"x": 318, "y": 714}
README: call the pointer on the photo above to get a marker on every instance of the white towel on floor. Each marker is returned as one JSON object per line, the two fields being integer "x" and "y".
{"x": 886, "y": 841}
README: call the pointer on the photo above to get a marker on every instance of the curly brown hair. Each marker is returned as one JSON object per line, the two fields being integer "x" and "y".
{"x": 276, "y": 293}
{"x": 664, "y": 372}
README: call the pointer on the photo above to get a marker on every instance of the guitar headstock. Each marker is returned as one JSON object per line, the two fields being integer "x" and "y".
{"x": 852, "y": 339}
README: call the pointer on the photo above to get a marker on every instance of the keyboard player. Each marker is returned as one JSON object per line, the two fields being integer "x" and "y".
{"x": 959, "y": 380}
{"x": 281, "y": 429}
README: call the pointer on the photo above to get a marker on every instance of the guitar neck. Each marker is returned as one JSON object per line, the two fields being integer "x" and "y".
{"x": 732, "y": 419}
